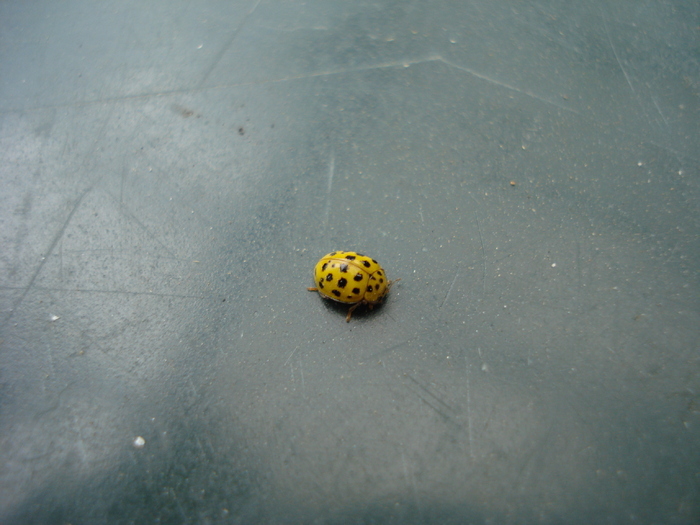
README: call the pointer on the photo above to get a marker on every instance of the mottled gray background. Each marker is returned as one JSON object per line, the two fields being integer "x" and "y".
{"x": 171, "y": 171}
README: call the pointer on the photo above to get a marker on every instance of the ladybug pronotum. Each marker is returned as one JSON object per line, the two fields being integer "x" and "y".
{"x": 351, "y": 278}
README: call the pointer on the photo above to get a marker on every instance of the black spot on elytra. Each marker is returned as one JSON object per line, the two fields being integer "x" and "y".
{"x": 366, "y": 263}
{"x": 336, "y": 293}
{"x": 379, "y": 272}
{"x": 381, "y": 280}
{"x": 360, "y": 255}
{"x": 325, "y": 265}
{"x": 320, "y": 283}
{"x": 357, "y": 277}
{"x": 370, "y": 289}
{"x": 332, "y": 253}
{"x": 375, "y": 262}
{"x": 350, "y": 257}
{"x": 344, "y": 267}
{"x": 356, "y": 291}
{"x": 329, "y": 277}
{"x": 342, "y": 282}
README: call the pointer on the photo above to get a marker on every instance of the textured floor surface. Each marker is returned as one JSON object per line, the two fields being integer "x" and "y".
{"x": 171, "y": 172}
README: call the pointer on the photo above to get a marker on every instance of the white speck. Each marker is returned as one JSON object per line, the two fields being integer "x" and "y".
{"x": 200, "y": 46}
{"x": 640, "y": 163}
{"x": 54, "y": 318}
{"x": 139, "y": 442}
{"x": 554, "y": 265}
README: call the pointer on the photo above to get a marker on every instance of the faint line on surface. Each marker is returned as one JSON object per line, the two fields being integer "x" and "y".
{"x": 290, "y": 355}
{"x": 507, "y": 86}
{"x": 118, "y": 292}
{"x": 629, "y": 81}
{"x": 222, "y": 50}
{"x": 331, "y": 172}
{"x": 619, "y": 62}
{"x": 409, "y": 477}
{"x": 127, "y": 212}
{"x": 52, "y": 246}
{"x": 469, "y": 413}
{"x": 436, "y": 398}
{"x": 447, "y": 296}
{"x": 653, "y": 99}
{"x": 483, "y": 257}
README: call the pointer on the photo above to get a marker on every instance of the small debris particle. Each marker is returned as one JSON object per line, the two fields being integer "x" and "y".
{"x": 512, "y": 183}
{"x": 139, "y": 442}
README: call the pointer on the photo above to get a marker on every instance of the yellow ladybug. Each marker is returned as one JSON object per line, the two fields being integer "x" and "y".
{"x": 352, "y": 278}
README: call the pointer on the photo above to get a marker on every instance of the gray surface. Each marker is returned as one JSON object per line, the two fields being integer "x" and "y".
{"x": 172, "y": 171}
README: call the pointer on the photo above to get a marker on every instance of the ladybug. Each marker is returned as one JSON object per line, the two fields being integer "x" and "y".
{"x": 352, "y": 278}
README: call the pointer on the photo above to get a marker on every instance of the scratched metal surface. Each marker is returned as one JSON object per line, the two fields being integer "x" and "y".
{"x": 170, "y": 173}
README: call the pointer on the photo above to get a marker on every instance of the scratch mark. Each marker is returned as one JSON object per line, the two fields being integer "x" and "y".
{"x": 435, "y": 397}
{"x": 199, "y": 445}
{"x": 179, "y": 506}
{"x": 653, "y": 99}
{"x": 619, "y": 62}
{"x": 60, "y": 261}
{"x": 483, "y": 257}
{"x": 388, "y": 349}
{"x": 470, "y": 425}
{"x": 290, "y": 356}
{"x": 450, "y": 290}
{"x": 52, "y": 368}
{"x": 52, "y": 246}
{"x": 331, "y": 172}
{"x": 409, "y": 477}
{"x": 192, "y": 387}
{"x": 301, "y": 373}
{"x": 119, "y": 292}
{"x": 445, "y": 416}
{"x": 57, "y": 402}
{"x": 222, "y": 50}
{"x": 121, "y": 186}
{"x": 579, "y": 269}
{"x": 506, "y": 86}
{"x": 343, "y": 71}
{"x": 634, "y": 91}
{"x": 127, "y": 212}
{"x": 420, "y": 211}
{"x": 81, "y": 442}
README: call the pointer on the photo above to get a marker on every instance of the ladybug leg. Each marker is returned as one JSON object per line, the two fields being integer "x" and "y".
{"x": 312, "y": 289}
{"x": 388, "y": 285}
{"x": 351, "y": 310}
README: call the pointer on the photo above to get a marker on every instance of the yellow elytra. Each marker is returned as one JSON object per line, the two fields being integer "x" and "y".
{"x": 352, "y": 278}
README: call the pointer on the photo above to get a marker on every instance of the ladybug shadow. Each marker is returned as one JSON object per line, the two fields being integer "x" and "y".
{"x": 361, "y": 312}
